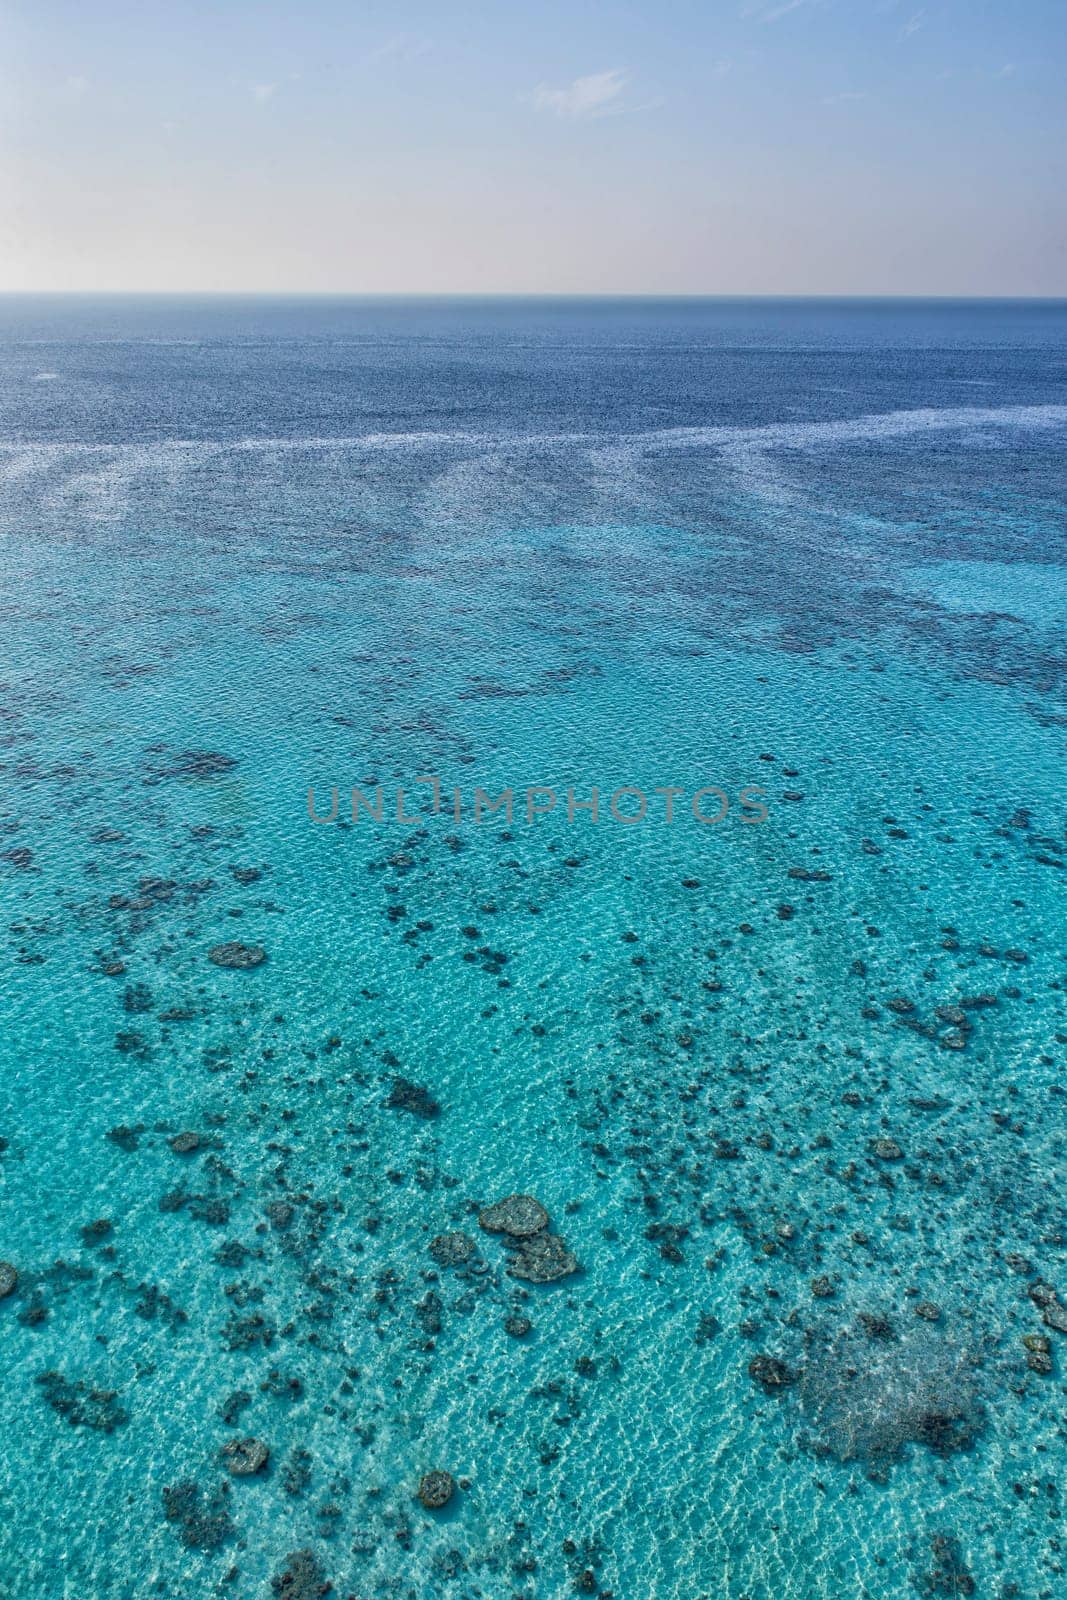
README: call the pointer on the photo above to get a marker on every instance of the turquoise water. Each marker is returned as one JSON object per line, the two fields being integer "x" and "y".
{"x": 814, "y": 550}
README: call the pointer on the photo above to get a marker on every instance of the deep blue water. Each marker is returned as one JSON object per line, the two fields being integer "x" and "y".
{"x": 790, "y": 1087}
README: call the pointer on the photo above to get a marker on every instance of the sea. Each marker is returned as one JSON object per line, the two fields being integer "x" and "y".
{"x": 603, "y": 751}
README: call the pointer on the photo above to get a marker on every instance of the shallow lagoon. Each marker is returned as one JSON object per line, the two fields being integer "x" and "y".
{"x": 564, "y": 546}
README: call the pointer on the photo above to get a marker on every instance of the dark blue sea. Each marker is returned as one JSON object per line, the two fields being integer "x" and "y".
{"x": 606, "y": 752}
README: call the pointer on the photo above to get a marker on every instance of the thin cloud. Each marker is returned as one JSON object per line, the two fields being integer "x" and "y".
{"x": 596, "y": 95}
{"x": 401, "y": 47}
{"x": 262, "y": 92}
{"x": 846, "y": 94}
{"x": 771, "y": 10}
{"x": 913, "y": 25}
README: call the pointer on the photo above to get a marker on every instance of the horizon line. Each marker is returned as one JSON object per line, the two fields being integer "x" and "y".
{"x": 520, "y": 294}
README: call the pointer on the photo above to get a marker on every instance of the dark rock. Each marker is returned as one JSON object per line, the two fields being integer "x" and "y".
{"x": 413, "y": 1097}
{"x": 239, "y": 957}
{"x": 231, "y": 1254}
{"x": 948, "y": 1575}
{"x": 1042, "y": 1293}
{"x": 198, "y": 764}
{"x": 541, "y": 1258}
{"x": 771, "y": 1374}
{"x": 869, "y": 1397}
{"x": 183, "y": 1144}
{"x": 428, "y": 1312}
{"x": 1038, "y": 1353}
{"x": 302, "y": 1578}
{"x": 154, "y": 1302}
{"x": 452, "y": 1249}
{"x": 708, "y": 1329}
{"x": 297, "y": 1473}
{"x": 245, "y": 1457}
{"x": 137, "y": 1000}
{"x": 517, "y": 1326}
{"x": 436, "y": 1490}
{"x": 875, "y": 1325}
{"x": 9, "y": 1279}
{"x": 518, "y": 1215}
{"x": 886, "y": 1150}
{"x": 233, "y": 1405}
{"x": 82, "y": 1404}
{"x": 202, "y": 1519}
{"x": 95, "y": 1233}
{"x": 1055, "y": 1316}
{"x": 126, "y": 1138}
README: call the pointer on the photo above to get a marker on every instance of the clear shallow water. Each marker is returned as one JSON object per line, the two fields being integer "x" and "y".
{"x": 613, "y": 544}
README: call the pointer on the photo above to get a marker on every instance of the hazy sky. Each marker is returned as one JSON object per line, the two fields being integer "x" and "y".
{"x": 661, "y": 146}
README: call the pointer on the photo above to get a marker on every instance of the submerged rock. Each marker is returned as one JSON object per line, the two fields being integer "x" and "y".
{"x": 436, "y": 1490}
{"x": 708, "y": 1328}
{"x": 245, "y": 1457}
{"x": 1038, "y": 1353}
{"x": 97, "y": 1231}
{"x": 868, "y": 1397}
{"x": 771, "y": 1374}
{"x": 541, "y": 1258}
{"x": 1055, "y": 1316}
{"x": 82, "y": 1404}
{"x": 9, "y": 1279}
{"x": 518, "y": 1215}
{"x": 452, "y": 1249}
{"x": 126, "y": 1138}
{"x": 202, "y": 1519}
{"x": 948, "y": 1575}
{"x": 183, "y": 1144}
{"x": 414, "y": 1097}
{"x": 537, "y": 1256}
{"x": 302, "y": 1578}
{"x": 239, "y": 957}
{"x": 198, "y": 764}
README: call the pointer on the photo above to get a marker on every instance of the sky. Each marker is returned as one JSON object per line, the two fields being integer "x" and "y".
{"x": 615, "y": 146}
